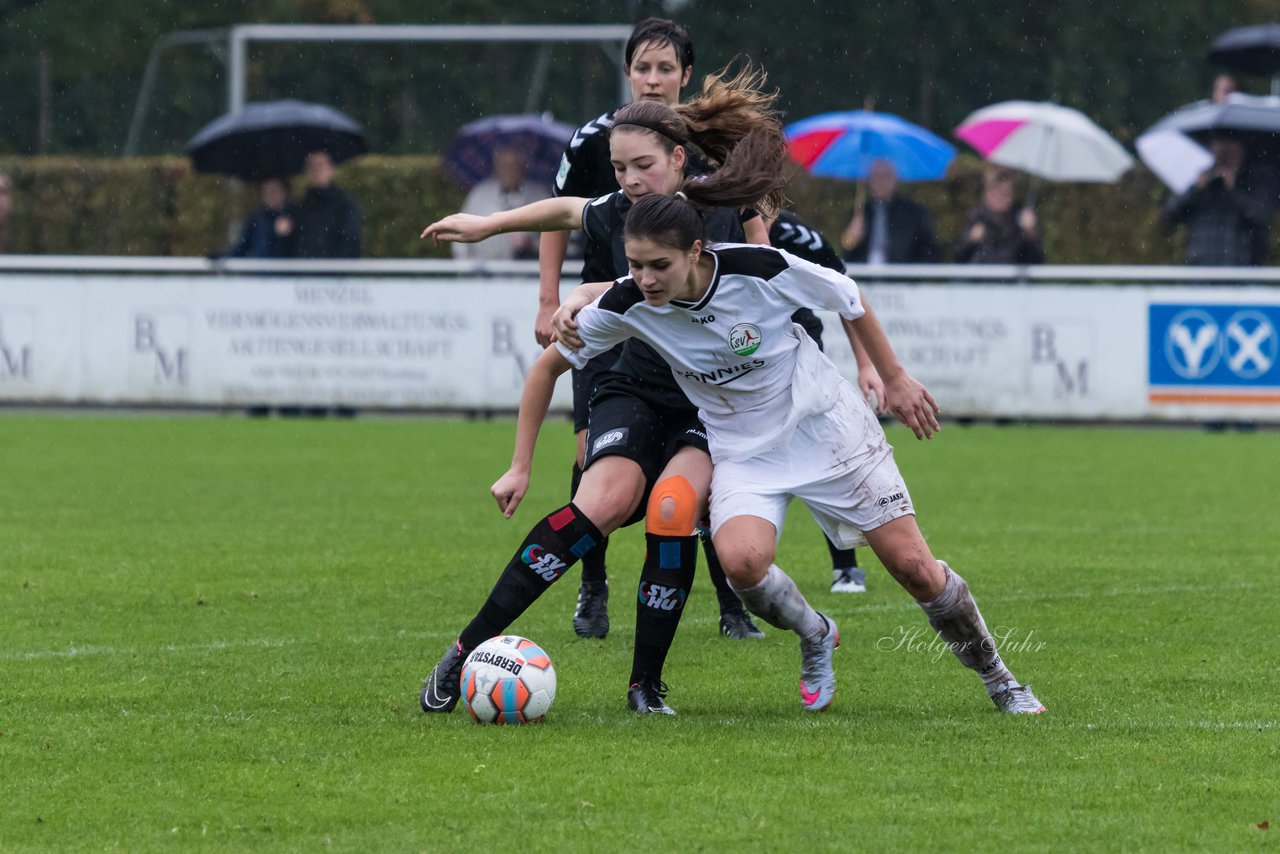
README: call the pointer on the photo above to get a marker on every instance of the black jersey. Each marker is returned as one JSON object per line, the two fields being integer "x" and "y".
{"x": 587, "y": 172}
{"x": 793, "y": 234}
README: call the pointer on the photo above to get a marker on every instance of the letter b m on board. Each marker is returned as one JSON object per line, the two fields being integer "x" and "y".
{"x": 159, "y": 355}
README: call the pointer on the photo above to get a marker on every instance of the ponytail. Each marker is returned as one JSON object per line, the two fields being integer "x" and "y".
{"x": 734, "y": 125}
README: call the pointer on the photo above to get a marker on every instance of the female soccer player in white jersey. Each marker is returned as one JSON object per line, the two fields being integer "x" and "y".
{"x": 646, "y": 450}
{"x": 783, "y": 423}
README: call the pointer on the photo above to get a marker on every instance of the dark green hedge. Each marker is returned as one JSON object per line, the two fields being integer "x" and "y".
{"x": 157, "y": 206}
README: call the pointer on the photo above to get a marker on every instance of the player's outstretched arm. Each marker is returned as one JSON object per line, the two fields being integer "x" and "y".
{"x": 556, "y": 214}
{"x": 552, "y": 248}
{"x": 509, "y": 489}
{"x": 564, "y": 322}
{"x": 906, "y": 398}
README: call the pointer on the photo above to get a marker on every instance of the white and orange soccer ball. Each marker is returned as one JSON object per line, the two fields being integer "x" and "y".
{"x": 508, "y": 680}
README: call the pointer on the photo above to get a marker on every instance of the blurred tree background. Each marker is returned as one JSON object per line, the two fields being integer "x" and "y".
{"x": 71, "y": 69}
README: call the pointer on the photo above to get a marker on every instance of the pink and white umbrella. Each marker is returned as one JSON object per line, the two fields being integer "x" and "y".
{"x": 1047, "y": 140}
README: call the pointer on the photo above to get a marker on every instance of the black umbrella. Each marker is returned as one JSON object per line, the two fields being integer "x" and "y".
{"x": 273, "y": 138}
{"x": 1253, "y": 50}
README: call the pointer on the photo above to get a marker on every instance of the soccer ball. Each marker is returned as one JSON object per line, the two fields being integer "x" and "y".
{"x": 508, "y": 680}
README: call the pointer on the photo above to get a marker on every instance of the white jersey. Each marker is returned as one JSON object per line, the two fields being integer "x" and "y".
{"x": 752, "y": 373}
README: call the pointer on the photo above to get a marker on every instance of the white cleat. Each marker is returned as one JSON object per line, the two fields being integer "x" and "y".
{"x": 1015, "y": 699}
{"x": 848, "y": 580}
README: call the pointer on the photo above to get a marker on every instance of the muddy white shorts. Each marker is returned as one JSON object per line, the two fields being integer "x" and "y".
{"x": 838, "y": 463}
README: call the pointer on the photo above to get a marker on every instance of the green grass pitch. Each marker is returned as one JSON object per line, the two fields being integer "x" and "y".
{"x": 213, "y": 631}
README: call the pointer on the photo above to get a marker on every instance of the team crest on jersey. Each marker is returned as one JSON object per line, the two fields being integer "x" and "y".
{"x": 744, "y": 339}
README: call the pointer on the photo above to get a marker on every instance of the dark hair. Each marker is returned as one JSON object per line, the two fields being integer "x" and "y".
{"x": 660, "y": 31}
{"x": 667, "y": 220}
{"x": 733, "y": 124}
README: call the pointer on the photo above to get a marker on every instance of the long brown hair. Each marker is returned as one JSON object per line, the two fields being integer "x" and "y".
{"x": 734, "y": 125}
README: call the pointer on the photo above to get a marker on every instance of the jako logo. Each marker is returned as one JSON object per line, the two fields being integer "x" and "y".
{"x": 897, "y": 496}
{"x": 609, "y": 438}
{"x": 744, "y": 339}
{"x": 543, "y": 562}
{"x": 662, "y": 598}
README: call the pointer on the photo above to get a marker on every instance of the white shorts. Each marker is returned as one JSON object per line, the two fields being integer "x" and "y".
{"x": 838, "y": 463}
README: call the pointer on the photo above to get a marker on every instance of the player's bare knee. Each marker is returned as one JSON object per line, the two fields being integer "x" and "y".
{"x": 673, "y": 508}
{"x": 743, "y": 565}
{"x": 921, "y": 576}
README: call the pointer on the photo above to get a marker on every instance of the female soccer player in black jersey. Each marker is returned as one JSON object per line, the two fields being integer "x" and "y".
{"x": 646, "y": 450}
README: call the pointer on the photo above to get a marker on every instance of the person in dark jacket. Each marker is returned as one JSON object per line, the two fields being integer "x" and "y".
{"x": 889, "y": 228}
{"x": 998, "y": 230}
{"x": 1227, "y": 212}
{"x": 328, "y": 217}
{"x": 270, "y": 231}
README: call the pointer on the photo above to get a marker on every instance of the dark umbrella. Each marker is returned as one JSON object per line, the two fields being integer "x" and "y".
{"x": 273, "y": 138}
{"x": 1253, "y": 50}
{"x": 541, "y": 140}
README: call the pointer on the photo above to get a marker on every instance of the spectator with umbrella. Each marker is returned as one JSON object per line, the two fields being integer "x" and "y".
{"x": 1227, "y": 209}
{"x": 276, "y": 139}
{"x": 889, "y": 228}
{"x": 505, "y": 190}
{"x": 269, "y": 232}
{"x": 1227, "y": 219}
{"x": 998, "y": 230}
{"x": 882, "y": 149}
{"x": 328, "y": 217}
{"x": 1049, "y": 142}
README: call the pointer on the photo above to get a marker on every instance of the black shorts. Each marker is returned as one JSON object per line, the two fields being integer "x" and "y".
{"x": 584, "y": 384}
{"x": 626, "y": 426}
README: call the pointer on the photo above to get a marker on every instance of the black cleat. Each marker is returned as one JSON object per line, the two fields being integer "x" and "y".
{"x": 443, "y": 688}
{"x": 591, "y": 617}
{"x": 647, "y": 698}
{"x": 738, "y": 625}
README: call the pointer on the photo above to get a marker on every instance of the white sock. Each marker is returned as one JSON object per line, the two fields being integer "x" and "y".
{"x": 778, "y": 602}
{"x": 955, "y": 617}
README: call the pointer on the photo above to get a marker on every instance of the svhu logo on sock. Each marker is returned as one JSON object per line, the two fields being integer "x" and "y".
{"x": 660, "y": 597}
{"x": 543, "y": 562}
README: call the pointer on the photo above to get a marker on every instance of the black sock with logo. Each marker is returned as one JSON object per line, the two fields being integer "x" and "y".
{"x": 665, "y": 581}
{"x": 593, "y": 561}
{"x": 551, "y": 547}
